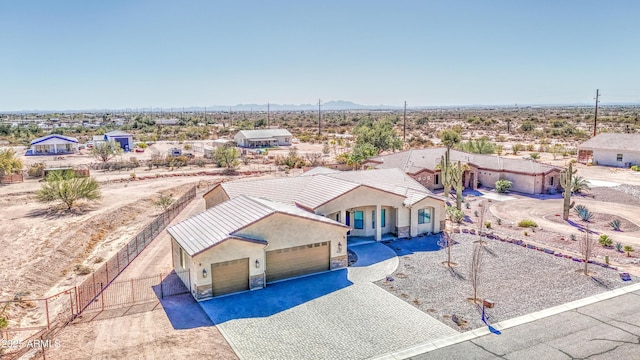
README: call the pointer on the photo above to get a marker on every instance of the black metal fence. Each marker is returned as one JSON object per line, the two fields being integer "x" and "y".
{"x": 92, "y": 287}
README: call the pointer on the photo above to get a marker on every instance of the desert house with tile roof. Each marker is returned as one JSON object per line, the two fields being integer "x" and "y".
{"x": 54, "y": 144}
{"x": 527, "y": 176}
{"x": 611, "y": 149}
{"x": 254, "y": 232}
{"x": 263, "y": 138}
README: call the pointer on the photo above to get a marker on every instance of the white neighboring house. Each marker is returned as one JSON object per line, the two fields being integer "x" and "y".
{"x": 263, "y": 138}
{"x": 54, "y": 144}
{"x": 124, "y": 139}
{"x": 611, "y": 149}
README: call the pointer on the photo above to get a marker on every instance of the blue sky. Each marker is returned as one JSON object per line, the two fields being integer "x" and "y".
{"x": 132, "y": 54}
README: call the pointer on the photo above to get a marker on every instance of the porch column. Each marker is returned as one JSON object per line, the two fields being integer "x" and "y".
{"x": 343, "y": 216}
{"x": 55, "y": 148}
{"x": 378, "y": 222}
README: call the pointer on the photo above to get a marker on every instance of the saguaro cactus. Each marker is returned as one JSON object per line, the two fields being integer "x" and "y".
{"x": 456, "y": 171}
{"x": 445, "y": 173}
{"x": 566, "y": 181}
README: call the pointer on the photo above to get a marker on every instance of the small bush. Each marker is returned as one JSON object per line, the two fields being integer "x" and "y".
{"x": 187, "y": 147}
{"x": 475, "y": 213}
{"x": 605, "y": 240}
{"x": 503, "y": 185}
{"x": 467, "y": 205}
{"x": 534, "y": 156}
{"x": 615, "y": 224}
{"x": 572, "y": 237}
{"x": 527, "y": 223}
{"x": 635, "y": 168}
{"x": 81, "y": 269}
{"x": 583, "y": 213}
{"x": 628, "y": 249}
{"x": 487, "y": 224}
{"x": 455, "y": 215}
{"x": 499, "y": 221}
{"x": 618, "y": 247}
{"x": 36, "y": 170}
{"x": 526, "y": 233}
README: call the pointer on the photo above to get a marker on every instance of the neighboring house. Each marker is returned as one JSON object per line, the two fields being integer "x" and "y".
{"x": 527, "y": 176}
{"x": 263, "y": 138}
{"x": 259, "y": 231}
{"x": 54, "y": 144}
{"x": 611, "y": 149}
{"x": 124, "y": 139}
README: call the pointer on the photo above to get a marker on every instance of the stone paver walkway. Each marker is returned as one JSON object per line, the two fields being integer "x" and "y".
{"x": 375, "y": 262}
{"x": 334, "y": 315}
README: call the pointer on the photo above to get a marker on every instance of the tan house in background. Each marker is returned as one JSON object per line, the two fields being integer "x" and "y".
{"x": 527, "y": 176}
{"x": 255, "y": 232}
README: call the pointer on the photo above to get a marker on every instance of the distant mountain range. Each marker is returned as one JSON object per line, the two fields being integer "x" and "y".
{"x": 333, "y": 105}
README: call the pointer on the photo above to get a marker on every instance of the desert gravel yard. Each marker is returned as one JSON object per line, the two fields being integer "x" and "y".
{"x": 518, "y": 280}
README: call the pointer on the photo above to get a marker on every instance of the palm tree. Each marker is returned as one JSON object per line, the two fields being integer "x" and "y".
{"x": 579, "y": 184}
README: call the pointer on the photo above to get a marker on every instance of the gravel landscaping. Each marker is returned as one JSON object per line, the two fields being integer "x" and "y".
{"x": 517, "y": 279}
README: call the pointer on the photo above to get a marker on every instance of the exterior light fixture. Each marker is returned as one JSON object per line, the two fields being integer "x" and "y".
{"x": 204, "y": 273}
{"x": 339, "y": 247}
{"x": 257, "y": 263}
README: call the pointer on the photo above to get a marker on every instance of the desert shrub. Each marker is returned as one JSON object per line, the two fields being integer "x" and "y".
{"x": 467, "y": 205}
{"x": 142, "y": 145}
{"x": 635, "y": 168}
{"x": 535, "y": 156}
{"x": 583, "y": 213}
{"x": 516, "y": 148}
{"x": 487, "y": 224}
{"x": 499, "y": 221}
{"x": 503, "y": 185}
{"x": 163, "y": 202}
{"x": 475, "y": 213}
{"x": 605, "y": 240}
{"x": 529, "y": 147}
{"x": 527, "y": 127}
{"x": 618, "y": 246}
{"x": 527, "y": 223}
{"x": 36, "y": 170}
{"x": 455, "y": 215}
{"x": 81, "y": 269}
{"x": 572, "y": 237}
{"x": 628, "y": 249}
{"x": 615, "y": 224}
{"x": 187, "y": 147}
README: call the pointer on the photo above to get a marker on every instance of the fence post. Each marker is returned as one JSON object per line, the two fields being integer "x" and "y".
{"x": 71, "y": 304}
{"x": 46, "y": 307}
{"x": 93, "y": 276}
{"x": 118, "y": 261}
{"x": 102, "y": 297}
{"x": 106, "y": 269}
{"x": 77, "y": 300}
{"x": 161, "y": 291}
{"x": 133, "y": 297}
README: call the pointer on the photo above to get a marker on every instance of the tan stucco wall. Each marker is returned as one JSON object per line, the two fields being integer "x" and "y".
{"x": 390, "y": 220}
{"x": 283, "y": 231}
{"x": 214, "y": 197}
{"x": 185, "y": 273}
{"x": 437, "y": 215}
{"x": 365, "y": 197}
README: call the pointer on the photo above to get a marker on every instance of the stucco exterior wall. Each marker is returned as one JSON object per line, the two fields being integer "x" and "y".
{"x": 609, "y": 157}
{"x": 283, "y": 231}
{"x": 184, "y": 273}
{"x": 367, "y": 197}
{"x": 437, "y": 215}
{"x": 214, "y": 197}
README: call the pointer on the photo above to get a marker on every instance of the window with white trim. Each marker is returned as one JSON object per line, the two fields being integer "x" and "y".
{"x": 424, "y": 216}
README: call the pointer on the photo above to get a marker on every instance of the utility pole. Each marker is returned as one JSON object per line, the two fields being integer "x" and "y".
{"x": 404, "y": 123}
{"x": 595, "y": 118}
{"x": 268, "y": 115}
{"x": 319, "y": 119}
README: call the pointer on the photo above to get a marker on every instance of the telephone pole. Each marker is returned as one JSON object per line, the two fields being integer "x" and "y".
{"x": 268, "y": 115}
{"x": 319, "y": 119}
{"x": 404, "y": 123}
{"x": 595, "y": 118}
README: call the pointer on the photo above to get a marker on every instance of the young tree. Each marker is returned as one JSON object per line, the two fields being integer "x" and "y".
{"x": 482, "y": 211}
{"x": 579, "y": 184}
{"x": 587, "y": 249}
{"x": 9, "y": 163}
{"x": 65, "y": 187}
{"x": 628, "y": 249}
{"x": 449, "y": 138}
{"x": 106, "y": 150}
{"x": 475, "y": 270}
{"x": 446, "y": 242}
{"x": 226, "y": 157}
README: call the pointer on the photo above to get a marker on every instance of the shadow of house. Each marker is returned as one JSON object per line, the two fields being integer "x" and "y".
{"x": 275, "y": 298}
{"x": 184, "y": 312}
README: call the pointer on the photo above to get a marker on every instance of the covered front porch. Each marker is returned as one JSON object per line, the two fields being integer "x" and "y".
{"x": 263, "y": 142}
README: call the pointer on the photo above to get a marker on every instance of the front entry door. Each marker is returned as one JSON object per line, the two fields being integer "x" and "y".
{"x": 347, "y": 221}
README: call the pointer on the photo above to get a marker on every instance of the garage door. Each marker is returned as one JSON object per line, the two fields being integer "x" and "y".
{"x": 230, "y": 276}
{"x": 297, "y": 261}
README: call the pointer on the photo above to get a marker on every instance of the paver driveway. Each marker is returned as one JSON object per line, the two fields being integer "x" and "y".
{"x": 324, "y": 316}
